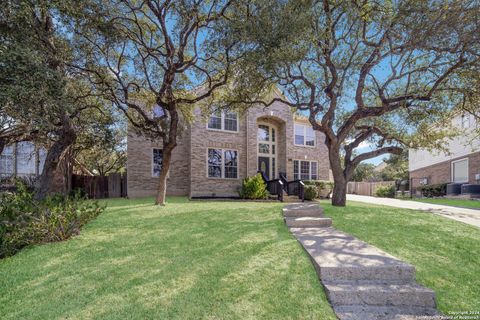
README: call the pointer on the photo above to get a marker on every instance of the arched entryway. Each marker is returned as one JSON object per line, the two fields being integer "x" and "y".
{"x": 267, "y": 149}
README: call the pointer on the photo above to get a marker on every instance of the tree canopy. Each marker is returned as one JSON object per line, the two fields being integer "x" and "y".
{"x": 154, "y": 60}
{"x": 381, "y": 72}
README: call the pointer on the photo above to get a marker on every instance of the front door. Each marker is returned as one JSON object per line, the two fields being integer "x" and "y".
{"x": 267, "y": 151}
{"x": 264, "y": 166}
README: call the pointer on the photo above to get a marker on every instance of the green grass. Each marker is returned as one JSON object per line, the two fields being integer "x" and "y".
{"x": 446, "y": 253}
{"x": 222, "y": 260}
{"x": 188, "y": 260}
{"x": 464, "y": 203}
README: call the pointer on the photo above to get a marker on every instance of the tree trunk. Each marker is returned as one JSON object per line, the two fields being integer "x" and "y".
{"x": 66, "y": 138}
{"x": 169, "y": 144}
{"x": 339, "y": 196}
{"x": 162, "y": 186}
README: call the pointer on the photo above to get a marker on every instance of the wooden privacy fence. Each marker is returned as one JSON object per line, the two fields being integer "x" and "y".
{"x": 98, "y": 187}
{"x": 367, "y": 188}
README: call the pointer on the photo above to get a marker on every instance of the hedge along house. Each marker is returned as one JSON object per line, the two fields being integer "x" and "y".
{"x": 215, "y": 153}
{"x": 460, "y": 166}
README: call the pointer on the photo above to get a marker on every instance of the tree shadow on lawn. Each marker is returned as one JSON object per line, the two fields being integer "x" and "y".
{"x": 445, "y": 253}
{"x": 185, "y": 260}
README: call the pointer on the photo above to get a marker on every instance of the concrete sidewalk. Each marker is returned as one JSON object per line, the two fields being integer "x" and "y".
{"x": 469, "y": 216}
{"x": 361, "y": 281}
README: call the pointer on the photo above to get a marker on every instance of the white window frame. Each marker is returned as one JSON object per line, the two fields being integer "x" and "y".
{"x": 272, "y": 144}
{"x": 222, "y": 123}
{"x": 300, "y": 169}
{"x": 222, "y": 167}
{"x": 452, "y": 170}
{"x": 305, "y": 126}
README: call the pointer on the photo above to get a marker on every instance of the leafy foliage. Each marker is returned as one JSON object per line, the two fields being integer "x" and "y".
{"x": 397, "y": 167}
{"x": 385, "y": 192}
{"x": 433, "y": 190}
{"x": 154, "y": 61}
{"x": 365, "y": 172}
{"x": 101, "y": 148}
{"x": 376, "y": 72}
{"x": 253, "y": 188}
{"x": 310, "y": 192}
{"x": 25, "y": 221}
{"x": 43, "y": 99}
{"x": 323, "y": 188}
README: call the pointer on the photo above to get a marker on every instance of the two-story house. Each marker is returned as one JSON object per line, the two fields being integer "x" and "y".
{"x": 460, "y": 165}
{"x": 214, "y": 154}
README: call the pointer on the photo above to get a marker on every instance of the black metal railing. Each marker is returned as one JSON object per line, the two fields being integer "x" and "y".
{"x": 274, "y": 186}
{"x": 293, "y": 188}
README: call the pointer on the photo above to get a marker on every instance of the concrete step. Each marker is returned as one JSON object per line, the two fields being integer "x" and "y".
{"x": 338, "y": 256}
{"x": 396, "y": 273}
{"x": 302, "y": 210}
{"x": 292, "y": 199}
{"x": 359, "y": 312}
{"x": 308, "y": 222}
{"x": 377, "y": 294}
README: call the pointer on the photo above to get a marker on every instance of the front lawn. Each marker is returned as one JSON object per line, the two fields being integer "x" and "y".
{"x": 463, "y": 203}
{"x": 189, "y": 260}
{"x": 446, "y": 253}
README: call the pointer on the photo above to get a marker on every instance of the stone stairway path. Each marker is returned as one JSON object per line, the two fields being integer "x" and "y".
{"x": 361, "y": 281}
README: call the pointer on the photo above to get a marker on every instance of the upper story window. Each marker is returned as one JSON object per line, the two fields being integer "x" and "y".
{"x": 222, "y": 163}
{"x": 263, "y": 133}
{"x": 158, "y": 112}
{"x": 304, "y": 135}
{"x": 224, "y": 121}
{"x": 157, "y": 161}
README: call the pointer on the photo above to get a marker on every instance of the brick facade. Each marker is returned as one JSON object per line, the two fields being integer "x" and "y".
{"x": 188, "y": 172}
{"x": 442, "y": 172}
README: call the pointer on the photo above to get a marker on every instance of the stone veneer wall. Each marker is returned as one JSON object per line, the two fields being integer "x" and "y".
{"x": 441, "y": 172}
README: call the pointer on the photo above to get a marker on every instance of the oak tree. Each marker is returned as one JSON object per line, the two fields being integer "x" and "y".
{"x": 154, "y": 60}
{"x": 380, "y": 72}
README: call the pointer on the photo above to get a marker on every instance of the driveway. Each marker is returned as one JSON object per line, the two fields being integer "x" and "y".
{"x": 470, "y": 216}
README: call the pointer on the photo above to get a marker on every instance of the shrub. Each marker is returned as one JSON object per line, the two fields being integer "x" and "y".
{"x": 10, "y": 183}
{"x": 433, "y": 190}
{"x": 385, "y": 192}
{"x": 25, "y": 221}
{"x": 324, "y": 188}
{"x": 310, "y": 192}
{"x": 253, "y": 188}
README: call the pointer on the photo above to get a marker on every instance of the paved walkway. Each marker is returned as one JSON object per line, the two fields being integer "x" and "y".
{"x": 361, "y": 281}
{"x": 469, "y": 216}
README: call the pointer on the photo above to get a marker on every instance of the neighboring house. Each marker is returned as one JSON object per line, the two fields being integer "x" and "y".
{"x": 25, "y": 160}
{"x": 215, "y": 154}
{"x": 21, "y": 159}
{"x": 462, "y": 165}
